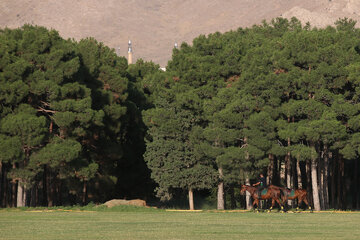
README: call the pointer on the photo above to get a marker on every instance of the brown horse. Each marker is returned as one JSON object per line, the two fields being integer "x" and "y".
{"x": 299, "y": 194}
{"x": 273, "y": 193}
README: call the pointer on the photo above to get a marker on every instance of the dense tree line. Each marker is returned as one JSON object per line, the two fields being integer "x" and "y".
{"x": 70, "y": 121}
{"x": 279, "y": 98}
{"x": 78, "y": 124}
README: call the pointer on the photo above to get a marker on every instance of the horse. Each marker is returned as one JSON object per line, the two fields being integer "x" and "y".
{"x": 292, "y": 194}
{"x": 273, "y": 193}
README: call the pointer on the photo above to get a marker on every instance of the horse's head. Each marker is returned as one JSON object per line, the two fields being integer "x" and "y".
{"x": 243, "y": 189}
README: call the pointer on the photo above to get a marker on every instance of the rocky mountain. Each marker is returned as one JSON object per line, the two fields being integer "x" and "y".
{"x": 155, "y": 25}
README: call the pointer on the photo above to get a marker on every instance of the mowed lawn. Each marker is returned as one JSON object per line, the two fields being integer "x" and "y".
{"x": 177, "y": 225}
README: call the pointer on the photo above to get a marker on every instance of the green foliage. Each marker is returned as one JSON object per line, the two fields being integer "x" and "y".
{"x": 63, "y": 114}
{"x": 228, "y": 102}
{"x": 57, "y": 153}
{"x": 272, "y": 89}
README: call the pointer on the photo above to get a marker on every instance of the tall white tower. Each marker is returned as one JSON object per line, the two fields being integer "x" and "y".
{"x": 130, "y": 52}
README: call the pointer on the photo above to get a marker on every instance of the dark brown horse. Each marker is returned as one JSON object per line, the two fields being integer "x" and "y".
{"x": 299, "y": 194}
{"x": 273, "y": 193}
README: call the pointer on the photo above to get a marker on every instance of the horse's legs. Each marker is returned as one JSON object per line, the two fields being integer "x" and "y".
{"x": 307, "y": 203}
{"x": 256, "y": 201}
{"x": 272, "y": 204}
{"x": 300, "y": 200}
{"x": 281, "y": 206}
{"x": 284, "y": 200}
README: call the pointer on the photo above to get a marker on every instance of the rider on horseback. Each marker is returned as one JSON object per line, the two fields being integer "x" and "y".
{"x": 261, "y": 184}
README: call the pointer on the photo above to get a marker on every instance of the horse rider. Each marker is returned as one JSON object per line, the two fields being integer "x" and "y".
{"x": 261, "y": 184}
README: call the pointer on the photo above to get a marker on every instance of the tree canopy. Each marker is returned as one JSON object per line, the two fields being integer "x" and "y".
{"x": 78, "y": 124}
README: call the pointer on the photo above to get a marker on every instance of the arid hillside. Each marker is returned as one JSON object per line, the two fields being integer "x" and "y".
{"x": 155, "y": 25}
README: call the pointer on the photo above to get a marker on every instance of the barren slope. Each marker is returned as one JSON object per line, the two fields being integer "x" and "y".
{"x": 155, "y": 25}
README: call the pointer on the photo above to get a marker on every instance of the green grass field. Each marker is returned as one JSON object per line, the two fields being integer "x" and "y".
{"x": 160, "y": 224}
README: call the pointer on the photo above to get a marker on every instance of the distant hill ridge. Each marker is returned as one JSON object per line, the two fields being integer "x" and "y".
{"x": 154, "y": 26}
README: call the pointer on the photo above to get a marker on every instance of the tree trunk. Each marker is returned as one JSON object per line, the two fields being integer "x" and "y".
{"x": 339, "y": 185}
{"x": 320, "y": 169}
{"x": 248, "y": 196}
{"x": 232, "y": 197}
{"x": 344, "y": 200}
{"x": 314, "y": 184}
{"x": 341, "y": 191}
{"x": 58, "y": 193}
{"x": 354, "y": 185}
{"x": 282, "y": 172}
{"x": 53, "y": 189}
{"x": 84, "y": 193}
{"x": 44, "y": 186}
{"x": 298, "y": 171}
{"x": 21, "y": 195}
{"x": 3, "y": 186}
{"x": 220, "y": 193}
{"x": 13, "y": 190}
{"x": 37, "y": 196}
{"x": 7, "y": 194}
{"x": 288, "y": 170}
{"x": 247, "y": 180}
{"x": 333, "y": 184}
{"x": 288, "y": 164}
{"x": 191, "y": 199}
{"x": 1, "y": 183}
{"x": 270, "y": 174}
{"x": 33, "y": 196}
{"x": 358, "y": 185}
{"x": 13, "y": 193}
{"x": 49, "y": 195}
{"x": 326, "y": 178}
{"x": 276, "y": 175}
{"x": 309, "y": 182}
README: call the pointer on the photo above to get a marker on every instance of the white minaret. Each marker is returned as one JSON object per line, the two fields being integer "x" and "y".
{"x": 129, "y": 52}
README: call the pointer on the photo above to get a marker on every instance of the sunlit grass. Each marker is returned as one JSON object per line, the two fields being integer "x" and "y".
{"x": 147, "y": 223}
